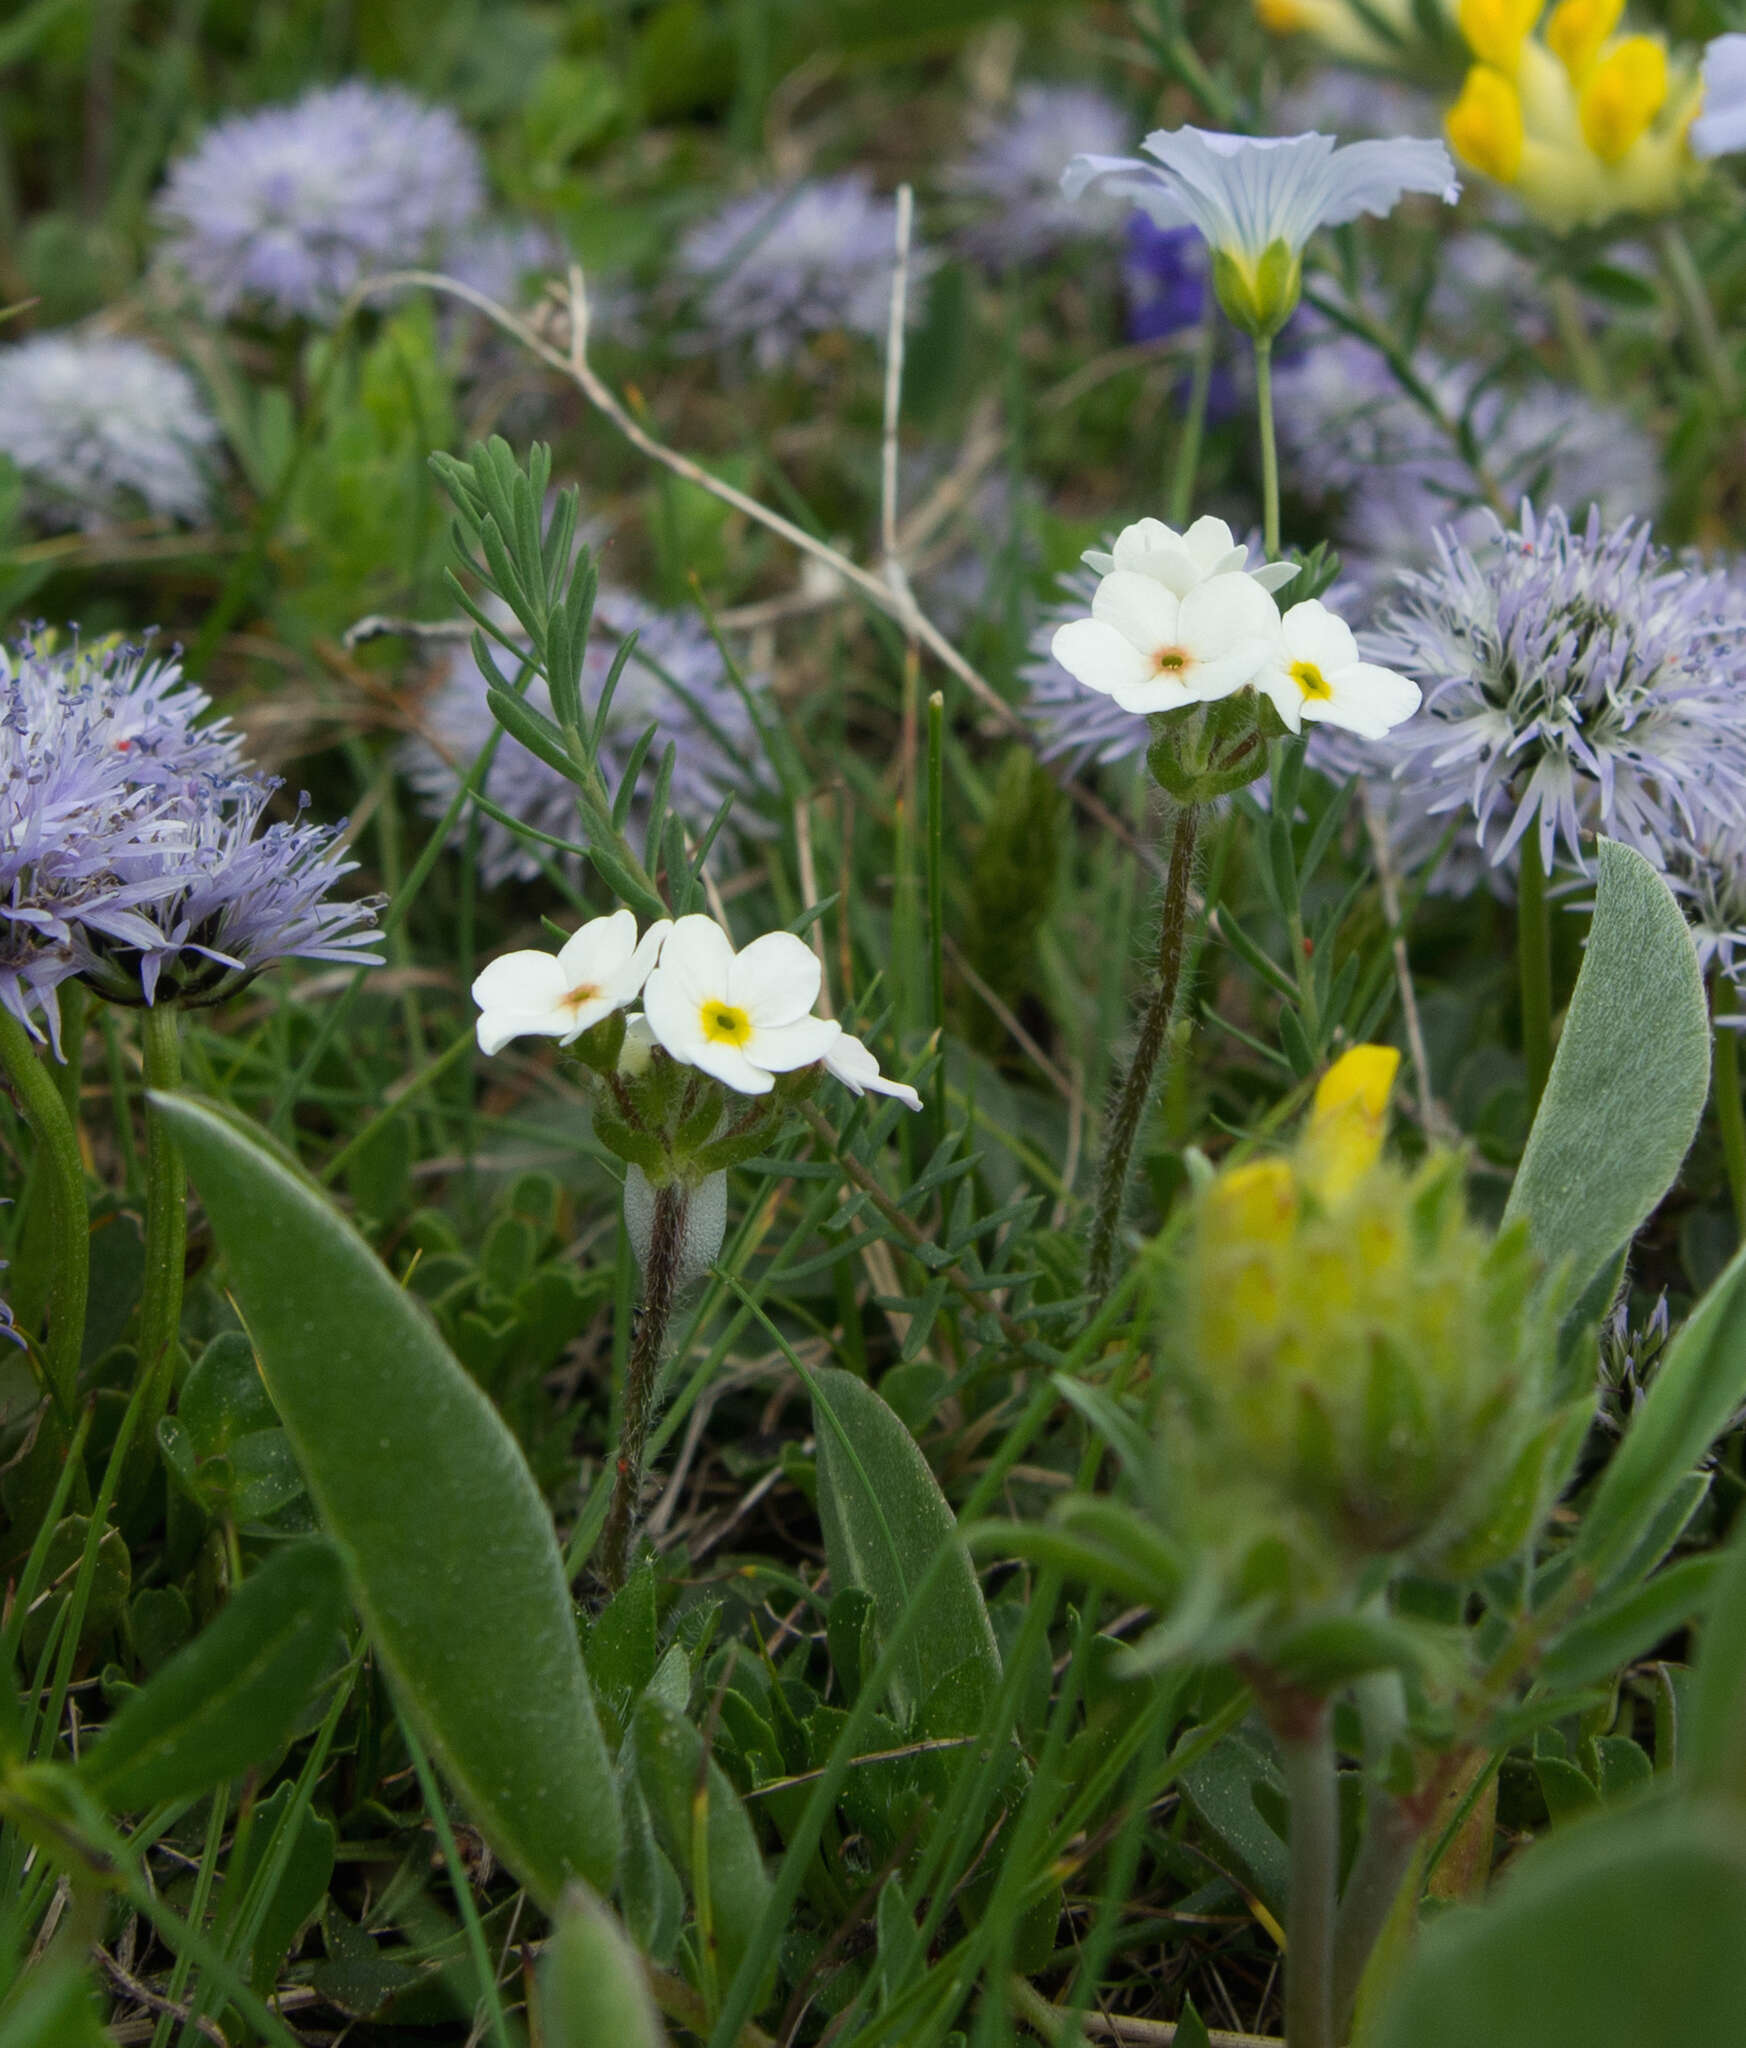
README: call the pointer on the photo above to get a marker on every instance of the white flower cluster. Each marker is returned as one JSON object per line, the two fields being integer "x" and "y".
{"x": 1180, "y": 619}
{"x": 742, "y": 1017}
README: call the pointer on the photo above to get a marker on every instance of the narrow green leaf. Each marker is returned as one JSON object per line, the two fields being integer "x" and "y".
{"x": 885, "y": 1520}
{"x": 235, "y": 1694}
{"x": 447, "y": 1541}
{"x": 1628, "y": 1081}
{"x": 1616, "y": 1634}
{"x": 1715, "y": 1743}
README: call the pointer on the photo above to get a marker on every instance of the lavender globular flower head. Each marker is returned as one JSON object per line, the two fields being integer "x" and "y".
{"x": 130, "y": 854}
{"x": 780, "y": 266}
{"x": 676, "y": 680}
{"x": 1708, "y": 875}
{"x": 1014, "y": 169}
{"x": 102, "y": 429}
{"x": 284, "y": 210}
{"x": 1577, "y": 680}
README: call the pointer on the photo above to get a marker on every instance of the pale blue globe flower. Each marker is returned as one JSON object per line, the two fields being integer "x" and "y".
{"x": 1708, "y": 875}
{"x": 780, "y": 266}
{"x": 1258, "y": 199}
{"x": 1014, "y": 170}
{"x": 282, "y": 211}
{"x": 1577, "y": 680}
{"x": 103, "y": 429}
{"x": 1720, "y": 129}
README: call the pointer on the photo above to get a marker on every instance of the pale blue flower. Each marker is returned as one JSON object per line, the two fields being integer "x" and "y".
{"x": 103, "y": 428}
{"x": 1014, "y": 168}
{"x": 1247, "y": 192}
{"x": 282, "y": 211}
{"x": 1720, "y": 129}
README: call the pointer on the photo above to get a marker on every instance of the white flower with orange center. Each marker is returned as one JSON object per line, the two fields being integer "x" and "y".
{"x": 1314, "y": 672}
{"x": 560, "y": 995}
{"x": 1152, "y": 650}
{"x": 1180, "y": 561}
{"x": 741, "y": 1017}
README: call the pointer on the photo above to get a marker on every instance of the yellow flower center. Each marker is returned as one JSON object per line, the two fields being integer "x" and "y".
{"x": 1496, "y": 29}
{"x": 1174, "y": 662}
{"x": 1281, "y": 17}
{"x": 725, "y": 1023}
{"x": 1310, "y": 680}
{"x": 583, "y": 992}
{"x": 1624, "y": 93}
{"x": 1484, "y": 126}
{"x": 1577, "y": 30}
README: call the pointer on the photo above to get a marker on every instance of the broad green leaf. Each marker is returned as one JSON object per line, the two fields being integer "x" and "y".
{"x": 885, "y": 1520}
{"x": 1628, "y": 1082}
{"x": 1696, "y": 1388}
{"x": 448, "y": 1545}
{"x": 235, "y": 1694}
{"x": 1714, "y": 1745}
{"x": 1618, "y": 1932}
{"x": 591, "y": 1989}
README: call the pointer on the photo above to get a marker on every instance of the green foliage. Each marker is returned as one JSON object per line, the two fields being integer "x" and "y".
{"x": 591, "y": 1985}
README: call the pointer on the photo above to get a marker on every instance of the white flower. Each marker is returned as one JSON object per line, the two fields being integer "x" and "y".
{"x": 1246, "y": 192}
{"x": 1154, "y": 651}
{"x": 1181, "y": 560}
{"x": 546, "y": 995}
{"x": 1315, "y": 673}
{"x": 849, "y": 1061}
{"x": 741, "y": 1017}
{"x": 1720, "y": 129}
{"x": 1258, "y": 199}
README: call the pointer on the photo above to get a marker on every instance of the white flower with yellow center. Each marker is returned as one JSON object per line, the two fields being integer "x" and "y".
{"x": 1314, "y": 672}
{"x": 561, "y": 995}
{"x": 850, "y": 1062}
{"x": 1180, "y": 561}
{"x": 1258, "y": 199}
{"x": 741, "y": 1017}
{"x": 1154, "y": 651}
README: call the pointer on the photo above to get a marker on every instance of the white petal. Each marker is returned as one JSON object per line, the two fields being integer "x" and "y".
{"x": 1145, "y": 537}
{"x": 1370, "y": 177}
{"x": 1720, "y": 129}
{"x": 601, "y": 947}
{"x": 1287, "y": 699}
{"x": 729, "y": 1065}
{"x": 1274, "y": 575}
{"x": 697, "y": 957}
{"x": 1313, "y": 633}
{"x": 497, "y": 1027}
{"x": 1141, "y": 610}
{"x": 850, "y": 1062}
{"x": 1095, "y": 558}
{"x": 1208, "y": 541}
{"x": 1225, "y": 613}
{"x": 775, "y": 980}
{"x": 1099, "y": 657}
{"x": 624, "y": 986}
{"x": 1367, "y": 700}
{"x": 675, "y": 1015}
{"x": 782, "y": 1047}
{"x": 530, "y": 981}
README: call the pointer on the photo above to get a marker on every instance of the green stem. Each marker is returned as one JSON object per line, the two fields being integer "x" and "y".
{"x": 1699, "y": 314}
{"x": 642, "y": 1371}
{"x": 1392, "y": 1834}
{"x": 166, "y": 1218}
{"x": 1269, "y": 446}
{"x": 1728, "y": 1112}
{"x": 1307, "y": 1748}
{"x": 45, "y": 1111}
{"x": 1135, "y": 1092}
{"x": 1534, "y": 962}
{"x": 1187, "y": 470}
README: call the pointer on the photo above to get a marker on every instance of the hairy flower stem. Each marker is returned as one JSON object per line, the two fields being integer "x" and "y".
{"x": 1135, "y": 1093}
{"x": 1269, "y": 446}
{"x": 1729, "y": 1117}
{"x": 661, "y": 1270}
{"x": 166, "y": 1219}
{"x": 1304, "y": 1728}
{"x": 45, "y": 1111}
{"x": 1393, "y": 1831}
{"x": 1534, "y": 962}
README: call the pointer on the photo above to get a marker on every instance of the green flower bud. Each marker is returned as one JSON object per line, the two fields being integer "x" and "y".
{"x": 1260, "y": 296}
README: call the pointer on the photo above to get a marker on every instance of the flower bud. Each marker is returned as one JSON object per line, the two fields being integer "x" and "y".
{"x": 1354, "y": 1360}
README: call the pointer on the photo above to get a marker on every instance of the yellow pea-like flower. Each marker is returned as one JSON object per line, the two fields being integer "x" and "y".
{"x": 1622, "y": 95}
{"x": 1577, "y": 29}
{"x": 1256, "y": 1203}
{"x": 1484, "y": 126}
{"x": 1343, "y": 1140}
{"x": 1496, "y": 29}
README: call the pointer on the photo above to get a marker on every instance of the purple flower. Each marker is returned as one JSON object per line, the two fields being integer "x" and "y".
{"x": 1165, "y": 272}
{"x": 782, "y": 265}
{"x": 130, "y": 853}
{"x": 676, "y": 680}
{"x": 1577, "y": 681}
{"x": 282, "y": 211}
{"x": 103, "y": 428}
{"x": 1708, "y": 874}
{"x": 1014, "y": 169}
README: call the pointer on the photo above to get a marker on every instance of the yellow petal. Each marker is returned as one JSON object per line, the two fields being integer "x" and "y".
{"x": 1344, "y": 1138}
{"x": 1496, "y": 29}
{"x": 1624, "y": 93}
{"x": 1484, "y": 126}
{"x": 1578, "y": 28}
{"x": 1256, "y": 1203}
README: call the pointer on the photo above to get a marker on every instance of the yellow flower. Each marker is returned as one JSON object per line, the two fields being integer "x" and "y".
{"x": 1343, "y": 1140}
{"x": 1623, "y": 94}
{"x": 1484, "y": 126}
{"x": 1496, "y": 29}
{"x": 1578, "y": 28}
